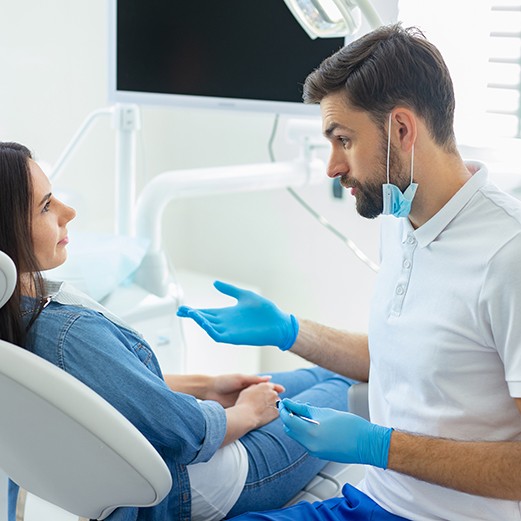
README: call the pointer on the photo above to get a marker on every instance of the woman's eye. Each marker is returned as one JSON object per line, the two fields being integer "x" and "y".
{"x": 46, "y": 206}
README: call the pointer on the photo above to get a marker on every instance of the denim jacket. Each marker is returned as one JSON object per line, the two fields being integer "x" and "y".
{"x": 120, "y": 366}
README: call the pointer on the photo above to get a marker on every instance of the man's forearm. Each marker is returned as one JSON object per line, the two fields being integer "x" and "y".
{"x": 342, "y": 352}
{"x": 488, "y": 469}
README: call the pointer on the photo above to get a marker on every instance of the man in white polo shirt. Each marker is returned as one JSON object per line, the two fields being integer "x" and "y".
{"x": 443, "y": 351}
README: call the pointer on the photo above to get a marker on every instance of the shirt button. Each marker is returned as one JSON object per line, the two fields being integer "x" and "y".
{"x": 411, "y": 240}
{"x": 399, "y": 290}
{"x": 406, "y": 264}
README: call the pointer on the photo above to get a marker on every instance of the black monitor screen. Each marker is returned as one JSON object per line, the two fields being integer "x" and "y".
{"x": 233, "y": 49}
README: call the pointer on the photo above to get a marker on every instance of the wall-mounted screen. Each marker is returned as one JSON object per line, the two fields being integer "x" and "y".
{"x": 233, "y": 54}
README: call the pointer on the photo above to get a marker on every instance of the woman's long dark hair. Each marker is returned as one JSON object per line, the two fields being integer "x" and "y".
{"x": 16, "y": 207}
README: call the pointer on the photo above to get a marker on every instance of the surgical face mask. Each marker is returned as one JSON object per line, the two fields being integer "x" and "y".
{"x": 394, "y": 201}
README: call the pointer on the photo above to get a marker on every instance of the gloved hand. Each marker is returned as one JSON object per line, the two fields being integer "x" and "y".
{"x": 338, "y": 436}
{"x": 254, "y": 320}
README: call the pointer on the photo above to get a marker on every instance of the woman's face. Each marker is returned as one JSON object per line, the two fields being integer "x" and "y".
{"x": 49, "y": 222}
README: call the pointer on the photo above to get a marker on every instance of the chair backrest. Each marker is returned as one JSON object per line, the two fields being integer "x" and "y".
{"x": 64, "y": 443}
{"x": 7, "y": 278}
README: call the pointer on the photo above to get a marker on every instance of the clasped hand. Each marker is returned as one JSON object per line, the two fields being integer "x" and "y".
{"x": 226, "y": 389}
{"x": 255, "y": 406}
{"x": 254, "y": 320}
{"x": 338, "y": 436}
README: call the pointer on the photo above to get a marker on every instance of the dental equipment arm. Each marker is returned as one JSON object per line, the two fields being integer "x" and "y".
{"x": 126, "y": 121}
{"x": 153, "y": 274}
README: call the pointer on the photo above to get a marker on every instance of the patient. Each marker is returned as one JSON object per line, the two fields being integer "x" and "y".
{"x": 220, "y": 436}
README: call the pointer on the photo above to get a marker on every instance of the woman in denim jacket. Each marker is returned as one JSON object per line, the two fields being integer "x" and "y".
{"x": 220, "y": 436}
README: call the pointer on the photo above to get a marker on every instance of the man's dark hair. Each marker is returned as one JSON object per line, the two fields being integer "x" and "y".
{"x": 388, "y": 67}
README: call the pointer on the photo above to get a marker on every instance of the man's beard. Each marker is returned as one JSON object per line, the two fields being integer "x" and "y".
{"x": 369, "y": 198}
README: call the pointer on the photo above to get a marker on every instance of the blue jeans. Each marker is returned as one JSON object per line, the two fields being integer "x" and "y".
{"x": 279, "y": 467}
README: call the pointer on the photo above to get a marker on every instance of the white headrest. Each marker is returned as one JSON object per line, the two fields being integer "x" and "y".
{"x": 7, "y": 278}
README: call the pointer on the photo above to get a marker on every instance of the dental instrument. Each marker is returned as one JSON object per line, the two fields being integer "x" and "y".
{"x": 291, "y": 413}
{"x": 305, "y": 418}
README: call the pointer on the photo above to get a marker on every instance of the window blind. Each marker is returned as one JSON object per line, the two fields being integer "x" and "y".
{"x": 504, "y": 68}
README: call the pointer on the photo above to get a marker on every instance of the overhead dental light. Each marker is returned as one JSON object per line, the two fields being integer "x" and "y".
{"x": 332, "y": 18}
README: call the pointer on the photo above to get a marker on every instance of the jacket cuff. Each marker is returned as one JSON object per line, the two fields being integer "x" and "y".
{"x": 215, "y": 419}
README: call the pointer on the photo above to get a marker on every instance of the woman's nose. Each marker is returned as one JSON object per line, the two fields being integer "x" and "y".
{"x": 69, "y": 213}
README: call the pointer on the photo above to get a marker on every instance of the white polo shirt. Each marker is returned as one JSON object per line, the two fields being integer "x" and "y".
{"x": 445, "y": 341}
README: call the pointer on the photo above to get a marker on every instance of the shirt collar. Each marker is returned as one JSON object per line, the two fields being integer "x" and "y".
{"x": 428, "y": 232}
{"x": 50, "y": 290}
{"x": 52, "y": 287}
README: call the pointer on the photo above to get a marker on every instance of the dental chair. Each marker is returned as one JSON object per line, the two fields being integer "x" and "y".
{"x": 62, "y": 442}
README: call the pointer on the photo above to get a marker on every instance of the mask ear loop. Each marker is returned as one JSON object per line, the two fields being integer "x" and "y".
{"x": 389, "y": 145}
{"x": 412, "y": 162}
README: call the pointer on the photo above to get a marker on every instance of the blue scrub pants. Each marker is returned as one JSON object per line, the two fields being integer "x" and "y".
{"x": 353, "y": 506}
{"x": 279, "y": 467}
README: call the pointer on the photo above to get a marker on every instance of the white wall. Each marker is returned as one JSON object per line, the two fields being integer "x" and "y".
{"x": 53, "y": 62}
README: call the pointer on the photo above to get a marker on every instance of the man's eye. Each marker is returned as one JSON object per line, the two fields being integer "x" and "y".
{"x": 344, "y": 141}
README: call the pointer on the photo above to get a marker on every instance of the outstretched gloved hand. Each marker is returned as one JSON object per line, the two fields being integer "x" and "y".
{"x": 336, "y": 436}
{"x": 254, "y": 320}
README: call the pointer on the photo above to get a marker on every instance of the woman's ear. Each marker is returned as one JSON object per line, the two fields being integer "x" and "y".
{"x": 406, "y": 125}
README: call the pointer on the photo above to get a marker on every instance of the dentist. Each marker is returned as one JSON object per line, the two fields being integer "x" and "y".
{"x": 443, "y": 351}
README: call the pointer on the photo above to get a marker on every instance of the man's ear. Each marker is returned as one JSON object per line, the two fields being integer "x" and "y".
{"x": 405, "y": 123}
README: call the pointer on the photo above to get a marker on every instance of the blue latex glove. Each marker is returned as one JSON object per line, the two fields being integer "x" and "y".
{"x": 338, "y": 436}
{"x": 254, "y": 320}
